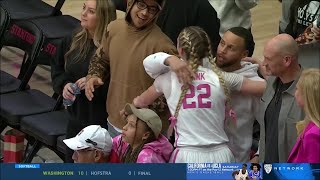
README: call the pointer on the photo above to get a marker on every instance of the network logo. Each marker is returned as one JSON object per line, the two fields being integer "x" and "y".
{"x": 267, "y": 168}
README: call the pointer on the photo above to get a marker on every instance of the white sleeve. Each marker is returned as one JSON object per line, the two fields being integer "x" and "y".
{"x": 246, "y": 4}
{"x": 233, "y": 81}
{"x": 163, "y": 84}
{"x": 154, "y": 64}
{"x": 257, "y": 153}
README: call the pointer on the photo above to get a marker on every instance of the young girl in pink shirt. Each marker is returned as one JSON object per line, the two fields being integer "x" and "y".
{"x": 141, "y": 140}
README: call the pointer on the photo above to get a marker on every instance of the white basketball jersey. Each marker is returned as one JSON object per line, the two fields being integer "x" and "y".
{"x": 241, "y": 176}
{"x": 201, "y": 116}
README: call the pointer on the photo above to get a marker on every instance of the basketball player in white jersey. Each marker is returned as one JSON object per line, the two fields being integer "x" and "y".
{"x": 198, "y": 110}
{"x": 241, "y": 174}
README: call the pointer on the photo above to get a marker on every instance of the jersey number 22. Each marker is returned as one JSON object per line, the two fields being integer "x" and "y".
{"x": 198, "y": 101}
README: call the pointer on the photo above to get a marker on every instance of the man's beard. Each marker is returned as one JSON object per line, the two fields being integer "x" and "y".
{"x": 225, "y": 64}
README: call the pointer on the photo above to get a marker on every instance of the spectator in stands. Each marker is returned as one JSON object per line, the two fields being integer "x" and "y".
{"x": 236, "y": 44}
{"x": 284, "y": 20}
{"x": 179, "y": 14}
{"x": 126, "y": 43}
{"x": 233, "y": 13}
{"x": 73, "y": 67}
{"x": 92, "y": 144}
{"x": 141, "y": 140}
{"x": 307, "y": 147}
{"x": 302, "y": 14}
{"x": 279, "y": 111}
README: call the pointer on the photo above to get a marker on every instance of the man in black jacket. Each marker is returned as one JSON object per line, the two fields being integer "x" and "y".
{"x": 178, "y": 14}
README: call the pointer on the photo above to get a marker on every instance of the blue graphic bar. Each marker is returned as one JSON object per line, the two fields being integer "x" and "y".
{"x": 191, "y": 171}
{"x": 293, "y": 171}
{"x": 101, "y": 171}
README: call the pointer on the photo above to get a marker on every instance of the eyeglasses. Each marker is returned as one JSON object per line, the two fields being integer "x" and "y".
{"x": 151, "y": 9}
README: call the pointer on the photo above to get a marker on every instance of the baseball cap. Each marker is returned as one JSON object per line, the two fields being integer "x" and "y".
{"x": 93, "y": 136}
{"x": 146, "y": 115}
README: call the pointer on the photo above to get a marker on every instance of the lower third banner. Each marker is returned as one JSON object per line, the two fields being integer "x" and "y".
{"x": 93, "y": 171}
{"x": 193, "y": 171}
{"x": 293, "y": 171}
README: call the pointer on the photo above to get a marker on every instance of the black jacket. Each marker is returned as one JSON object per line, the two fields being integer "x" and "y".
{"x": 83, "y": 111}
{"x": 302, "y": 14}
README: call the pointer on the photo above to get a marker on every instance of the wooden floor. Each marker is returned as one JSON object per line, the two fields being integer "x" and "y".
{"x": 265, "y": 17}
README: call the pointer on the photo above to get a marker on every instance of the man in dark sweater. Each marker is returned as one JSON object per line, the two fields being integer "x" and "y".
{"x": 302, "y": 14}
{"x": 178, "y": 14}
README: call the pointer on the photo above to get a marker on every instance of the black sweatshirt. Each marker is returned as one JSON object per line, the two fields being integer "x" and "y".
{"x": 83, "y": 111}
{"x": 302, "y": 14}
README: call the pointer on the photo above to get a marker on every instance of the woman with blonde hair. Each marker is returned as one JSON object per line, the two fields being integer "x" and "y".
{"x": 198, "y": 110}
{"x": 307, "y": 147}
{"x": 73, "y": 67}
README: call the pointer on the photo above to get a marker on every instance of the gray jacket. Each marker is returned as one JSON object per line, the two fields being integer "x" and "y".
{"x": 290, "y": 114}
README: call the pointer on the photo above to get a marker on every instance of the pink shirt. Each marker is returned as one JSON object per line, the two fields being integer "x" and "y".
{"x": 158, "y": 151}
{"x": 307, "y": 147}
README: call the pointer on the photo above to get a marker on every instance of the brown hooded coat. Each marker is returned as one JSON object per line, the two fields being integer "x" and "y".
{"x": 122, "y": 52}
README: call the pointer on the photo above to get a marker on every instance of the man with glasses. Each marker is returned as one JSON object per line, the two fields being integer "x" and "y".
{"x": 92, "y": 144}
{"x": 178, "y": 14}
{"x": 125, "y": 45}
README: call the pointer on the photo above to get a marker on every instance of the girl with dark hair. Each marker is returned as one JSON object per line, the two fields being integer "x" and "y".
{"x": 141, "y": 140}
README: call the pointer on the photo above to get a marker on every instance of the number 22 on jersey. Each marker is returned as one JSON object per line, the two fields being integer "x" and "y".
{"x": 191, "y": 100}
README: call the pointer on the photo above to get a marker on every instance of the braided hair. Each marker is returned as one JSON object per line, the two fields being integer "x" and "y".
{"x": 131, "y": 155}
{"x": 196, "y": 44}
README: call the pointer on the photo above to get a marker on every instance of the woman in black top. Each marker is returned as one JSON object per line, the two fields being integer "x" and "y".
{"x": 73, "y": 67}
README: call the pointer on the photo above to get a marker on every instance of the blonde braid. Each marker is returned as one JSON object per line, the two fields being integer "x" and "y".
{"x": 188, "y": 42}
{"x": 219, "y": 74}
{"x": 222, "y": 81}
{"x": 194, "y": 64}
